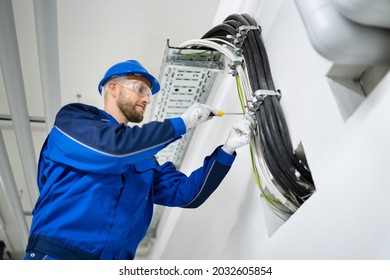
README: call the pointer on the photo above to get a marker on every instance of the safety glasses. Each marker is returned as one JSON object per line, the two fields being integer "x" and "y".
{"x": 139, "y": 87}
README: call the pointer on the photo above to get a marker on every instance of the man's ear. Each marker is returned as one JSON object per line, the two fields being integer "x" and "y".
{"x": 112, "y": 89}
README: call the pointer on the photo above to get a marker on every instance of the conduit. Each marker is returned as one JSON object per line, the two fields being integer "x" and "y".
{"x": 13, "y": 81}
{"x": 341, "y": 40}
{"x": 45, "y": 12}
{"x": 372, "y": 12}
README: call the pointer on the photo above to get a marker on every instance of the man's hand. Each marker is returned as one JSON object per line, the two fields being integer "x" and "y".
{"x": 197, "y": 114}
{"x": 240, "y": 135}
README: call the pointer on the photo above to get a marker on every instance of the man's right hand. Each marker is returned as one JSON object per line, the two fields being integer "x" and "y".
{"x": 197, "y": 114}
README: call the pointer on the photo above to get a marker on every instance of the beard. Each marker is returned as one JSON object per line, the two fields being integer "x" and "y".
{"x": 130, "y": 109}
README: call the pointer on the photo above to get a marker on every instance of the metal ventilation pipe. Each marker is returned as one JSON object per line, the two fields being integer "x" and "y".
{"x": 13, "y": 81}
{"x": 45, "y": 12}
{"x": 371, "y": 13}
{"x": 341, "y": 40}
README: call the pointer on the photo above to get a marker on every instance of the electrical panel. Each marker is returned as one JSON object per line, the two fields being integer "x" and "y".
{"x": 186, "y": 76}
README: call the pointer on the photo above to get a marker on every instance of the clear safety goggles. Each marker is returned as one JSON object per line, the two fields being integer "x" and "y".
{"x": 139, "y": 87}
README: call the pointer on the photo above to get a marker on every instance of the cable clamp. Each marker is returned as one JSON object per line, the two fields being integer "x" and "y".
{"x": 260, "y": 94}
{"x": 238, "y": 50}
{"x": 242, "y": 32}
{"x": 244, "y": 29}
{"x": 233, "y": 66}
{"x": 258, "y": 98}
{"x": 241, "y": 35}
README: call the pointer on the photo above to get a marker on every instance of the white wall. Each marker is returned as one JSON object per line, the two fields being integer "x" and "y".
{"x": 350, "y": 159}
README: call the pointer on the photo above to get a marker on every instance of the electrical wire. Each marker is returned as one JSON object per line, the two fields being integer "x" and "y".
{"x": 291, "y": 174}
{"x": 244, "y": 90}
{"x": 285, "y": 181}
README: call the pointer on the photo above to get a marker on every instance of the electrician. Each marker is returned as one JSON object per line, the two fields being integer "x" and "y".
{"x": 98, "y": 177}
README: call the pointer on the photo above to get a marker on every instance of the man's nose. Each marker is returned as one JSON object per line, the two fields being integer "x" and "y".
{"x": 146, "y": 99}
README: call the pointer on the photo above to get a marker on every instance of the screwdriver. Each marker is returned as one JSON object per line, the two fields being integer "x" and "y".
{"x": 221, "y": 113}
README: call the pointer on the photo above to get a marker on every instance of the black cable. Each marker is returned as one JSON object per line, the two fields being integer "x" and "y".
{"x": 267, "y": 151}
{"x": 286, "y": 169}
{"x": 292, "y": 175}
{"x": 253, "y": 58}
{"x": 282, "y": 155}
{"x": 220, "y": 30}
{"x": 293, "y": 160}
{"x": 233, "y": 24}
{"x": 263, "y": 53}
{"x": 302, "y": 169}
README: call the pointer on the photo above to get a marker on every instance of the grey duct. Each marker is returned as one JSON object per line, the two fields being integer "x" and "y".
{"x": 365, "y": 12}
{"x": 45, "y": 12}
{"x": 13, "y": 81}
{"x": 340, "y": 39}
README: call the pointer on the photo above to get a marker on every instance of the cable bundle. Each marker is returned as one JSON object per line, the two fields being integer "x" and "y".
{"x": 284, "y": 179}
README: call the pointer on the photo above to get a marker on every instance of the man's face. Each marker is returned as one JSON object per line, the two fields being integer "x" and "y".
{"x": 130, "y": 101}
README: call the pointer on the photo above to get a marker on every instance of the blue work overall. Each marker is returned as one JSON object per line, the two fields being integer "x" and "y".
{"x": 99, "y": 180}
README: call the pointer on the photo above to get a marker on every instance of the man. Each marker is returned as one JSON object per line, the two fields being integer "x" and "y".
{"x": 98, "y": 178}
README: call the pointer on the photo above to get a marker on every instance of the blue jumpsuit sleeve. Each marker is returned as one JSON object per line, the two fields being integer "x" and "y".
{"x": 87, "y": 139}
{"x": 173, "y": 188}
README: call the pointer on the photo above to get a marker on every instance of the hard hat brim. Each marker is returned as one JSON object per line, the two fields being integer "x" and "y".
{"x": 130, "y": 67}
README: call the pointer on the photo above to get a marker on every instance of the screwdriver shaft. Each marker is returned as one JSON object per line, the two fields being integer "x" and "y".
{"x": 233, "y": 113}
{"x": 221, "y": 113}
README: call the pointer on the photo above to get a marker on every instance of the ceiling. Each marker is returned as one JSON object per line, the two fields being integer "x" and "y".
{"x": 92, "y": 35}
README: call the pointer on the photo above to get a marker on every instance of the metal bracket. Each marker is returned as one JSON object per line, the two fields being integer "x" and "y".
{"x": 233, "y": 66}
{"x": 243, "y": 32}
{"x": 241, "y": 35}
{"x": 258, "y": 98}
{"x": 262, "y": 93}
{"x": 244, "y": 29}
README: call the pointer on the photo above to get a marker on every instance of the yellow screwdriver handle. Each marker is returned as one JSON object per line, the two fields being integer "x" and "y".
{"x": 220, "y": 113}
